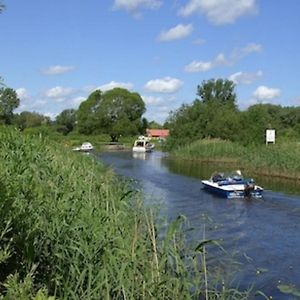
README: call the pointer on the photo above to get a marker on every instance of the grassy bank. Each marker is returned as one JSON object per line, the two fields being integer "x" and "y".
{"x": 281, "y": 160}
{"x": 73, "y": 230}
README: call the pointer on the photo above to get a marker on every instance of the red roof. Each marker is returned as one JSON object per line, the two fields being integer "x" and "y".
{"x": 158, "y": 132}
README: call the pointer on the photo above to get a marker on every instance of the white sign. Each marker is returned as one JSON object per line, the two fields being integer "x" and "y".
{"x": 270, "y": 136}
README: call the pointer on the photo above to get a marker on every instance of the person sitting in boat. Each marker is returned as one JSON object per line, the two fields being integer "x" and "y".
{"x": 216, "y": 176}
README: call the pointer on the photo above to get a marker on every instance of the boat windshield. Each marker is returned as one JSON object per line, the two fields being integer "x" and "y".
{"x": 231, "y": 176}
{"x": 140, "y": 143}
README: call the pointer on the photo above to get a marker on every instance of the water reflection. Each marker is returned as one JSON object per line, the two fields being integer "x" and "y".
{"x": 139, "y": 155}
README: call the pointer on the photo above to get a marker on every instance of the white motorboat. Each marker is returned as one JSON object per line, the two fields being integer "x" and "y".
{"x": 85, "y": 147}
{"x": 232, "y": 186}
{"x": 142, "y": 145}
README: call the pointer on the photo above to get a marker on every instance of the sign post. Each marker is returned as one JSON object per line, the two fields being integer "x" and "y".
{"x": 270, "y": 136}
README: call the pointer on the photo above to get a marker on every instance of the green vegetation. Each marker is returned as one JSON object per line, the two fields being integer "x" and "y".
{"x": 73, "y": 230}
{"x": 115, "y": 112}
{"x": 280, "y": 160}
{"x": 8, "y": 102}
{"x": 215, "y": 115}
{"x": 27, "y": 119}
{"x": 213, "y": 129}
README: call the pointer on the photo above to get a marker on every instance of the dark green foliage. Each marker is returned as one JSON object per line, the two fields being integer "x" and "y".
{"x": 218, "y": 91}
{"x": 213, "y": 115}
{"x": 67, "y": 120}
{"x": 116, "y": 112}
{"x": 8, "y": 102}
{"x": 27, "y": 119}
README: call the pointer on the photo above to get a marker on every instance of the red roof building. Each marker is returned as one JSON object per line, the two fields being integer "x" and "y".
{"x": 157, "y": 133}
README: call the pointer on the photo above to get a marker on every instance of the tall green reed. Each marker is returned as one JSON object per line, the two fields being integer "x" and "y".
{"x": 279, "y": 160}
{"x": 74, "y": 230}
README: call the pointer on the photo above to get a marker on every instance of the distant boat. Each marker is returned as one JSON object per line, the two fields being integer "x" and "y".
{"x": 85, "y": 147}
{"x": 142, "y": 145}
{"x": 232, "y": 186}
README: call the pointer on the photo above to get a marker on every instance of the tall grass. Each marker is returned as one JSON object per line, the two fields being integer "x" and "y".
{"x": 280, "y": 160}
{"x": 73, "y": 230}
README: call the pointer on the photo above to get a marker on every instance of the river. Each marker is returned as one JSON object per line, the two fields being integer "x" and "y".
{"x": 261, "y": 237}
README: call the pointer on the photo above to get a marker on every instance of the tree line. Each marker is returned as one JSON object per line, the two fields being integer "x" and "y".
{"x": 214, "y": 114}
{"x": 118, "y": 112}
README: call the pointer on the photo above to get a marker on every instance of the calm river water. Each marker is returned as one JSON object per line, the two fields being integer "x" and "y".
{"x": 261, "y": 236}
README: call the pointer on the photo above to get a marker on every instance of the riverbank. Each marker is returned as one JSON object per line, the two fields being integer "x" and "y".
{"x": 72, "y": 229}
{"x": 278, "y": 160}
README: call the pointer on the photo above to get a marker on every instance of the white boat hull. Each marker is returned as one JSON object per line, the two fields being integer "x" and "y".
{"x": 231, "y": 190}
{"x": 141, "y": 149}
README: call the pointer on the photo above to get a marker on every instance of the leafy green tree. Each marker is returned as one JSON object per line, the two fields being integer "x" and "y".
{"x": 8, "y": 102}
{"x": 27, "y": 119}
{"x": 214, "y": 115}
{"x": 115, "y": 112}
{"x": 67, "y": 120}
{"x": 218, "y": 91}
{"x": 186, "y": 124}
{"x": 86, "y": 115}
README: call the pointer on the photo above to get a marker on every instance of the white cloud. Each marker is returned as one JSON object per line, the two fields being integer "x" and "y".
{"x": 77, "y": 100}
{"x": 134, "y": 5}
{"x": 265, "y": 93}
{"x": 55, "y": 70}
{"x": 245, "y": 78}
{"x": 239, "y": 53}
{"x": 164, "y": 85}
{"x": 159, "y": 114}
{"x": 219, "y": 12}
{"x": 113, "y": 84}
{"x": 58, "y": 92}
{"x": 22, "y": 94}
{"x": 199, "y": 41}
{"x": 151, "y": 100}
{"x": 51, "y": 115}
{"x": 221, "y": 60}
{"x": 199, "y": 66}
{"x": 178, "y": 32}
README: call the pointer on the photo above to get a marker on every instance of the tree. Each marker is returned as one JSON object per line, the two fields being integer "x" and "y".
{"x": 154, "y": 125}
{"x": 115, "y": 112}
{"x": 86, "y": 115}
{"x": 218, "y": 91}
{"x": 214, "y": 115}
{"x": 66, "y": 119}
{"x": 8, "y": 102}
{"x": 27, "y": 119}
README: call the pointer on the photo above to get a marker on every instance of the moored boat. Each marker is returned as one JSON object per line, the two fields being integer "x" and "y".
{"x": 142, "y": 145}
{"x": 85, "y": 147}
{"x": 232, "y": 185}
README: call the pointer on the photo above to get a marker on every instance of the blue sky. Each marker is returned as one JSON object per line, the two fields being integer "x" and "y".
{"x": 55, "y": 53}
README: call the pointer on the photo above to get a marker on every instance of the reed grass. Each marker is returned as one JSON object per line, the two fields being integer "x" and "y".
{"x": 71, "y": 229}
{"x": 281, "y": 160}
